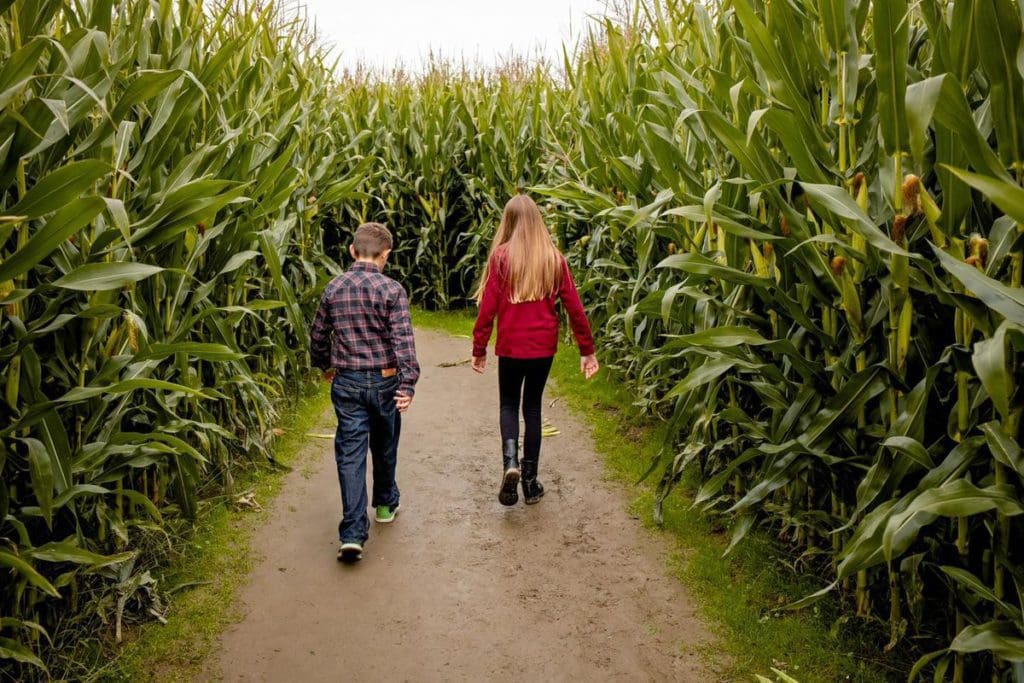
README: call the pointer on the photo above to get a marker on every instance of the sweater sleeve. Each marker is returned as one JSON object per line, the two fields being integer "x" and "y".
{"x": 488, "y": 310}
{"x": 574, "y": 307}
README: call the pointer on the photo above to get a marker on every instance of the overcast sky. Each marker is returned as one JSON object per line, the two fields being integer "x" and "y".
{"x": 384, "y": 33}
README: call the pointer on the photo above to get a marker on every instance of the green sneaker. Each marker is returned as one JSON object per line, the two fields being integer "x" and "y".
{"x": 386, "y": 514}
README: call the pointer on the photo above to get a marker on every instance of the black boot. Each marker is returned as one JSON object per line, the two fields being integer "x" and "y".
{"x": 533, "y": 490}
{"x": 510, "y": 479}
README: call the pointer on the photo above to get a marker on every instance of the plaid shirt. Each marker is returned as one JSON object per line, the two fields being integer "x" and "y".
{"x": 363, "y": 324}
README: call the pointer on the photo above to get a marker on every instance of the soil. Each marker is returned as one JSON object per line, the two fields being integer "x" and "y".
{"x": 460, "y": 587}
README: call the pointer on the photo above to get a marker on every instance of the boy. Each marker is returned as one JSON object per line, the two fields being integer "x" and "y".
{"x": 362, "y": 340}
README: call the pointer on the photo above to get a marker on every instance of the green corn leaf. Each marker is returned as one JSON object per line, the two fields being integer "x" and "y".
{"x": 62, "y": 225}
{"x": 1004, "y": 449}
{"x": 695, "y": 264}
{"x": 921, "y": 101}
{"x": 40, "y": 465}
{"x": 786, "y": 125}
{"x": 999, "y": 40}
{"x": 715, "y": 483}
{"x": 124, "y": 387}
{"x": 145, "y": 86}
{"x": 843, "y": 406}
{"x": 751, "y": 155}
{"x": 912, "y": 448}
{"x": 925, "y": 660}
{"x": 98, "y": 277}
{"x": 1001, "y": 638}
{"x": 964, "y": 40}
{"x": 176, "y": 444}
{"x": 263, "y": 305}
{"x": 892, "y": 47}
{"x": 66, "y": 552}
{"x": 989, "y": 361}
{"x": 838, "y": 19}
{"x": 58, "y": 188}
{"x": 1006, "y": 195}
{"x": 12, "y": 623}
{"x": 781, "y": 473}
{"x": 740, "y": 530}
{"x": 838, "y": 202}
{"x": 1007, "y": 301}
{"x": 958, "y": 498}
{"x": 809, "y": 600}
{"x": 77, "y": 490}
{"x": 701, "y": 375}
{"x": 781, "y": 72}
{"x": 273, "y": 261}
{"x": 200, "y": 350}
{"x": 952, "y": 112}
{"x": 18, "y": 69}
{"x": 718, "y": 337}
{"x": 142, "y": 501}
{"x": 12, "y": 649}
{"x": 697, "y": 213}
{"x": 237, "y": 261}
{"x": 973, "y": 584}
{"x": 25, "y": 569}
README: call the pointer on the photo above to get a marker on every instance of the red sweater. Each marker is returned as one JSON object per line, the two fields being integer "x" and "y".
{"x": 529, "y": 329}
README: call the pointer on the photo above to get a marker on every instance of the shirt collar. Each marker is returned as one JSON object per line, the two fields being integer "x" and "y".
{"x": 364, "y": 267}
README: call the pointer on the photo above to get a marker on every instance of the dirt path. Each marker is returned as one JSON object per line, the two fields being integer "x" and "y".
{"x": 459, "y": 587}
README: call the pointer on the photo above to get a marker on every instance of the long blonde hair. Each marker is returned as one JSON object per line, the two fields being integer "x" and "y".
{"x": 532, "y": 263}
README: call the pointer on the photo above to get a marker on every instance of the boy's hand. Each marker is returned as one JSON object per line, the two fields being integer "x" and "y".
{"x": 403, "y": 401}
{"x": 589, "y": 366}
{"x": 479, "y": 364}
{"x": 329, "y": 374}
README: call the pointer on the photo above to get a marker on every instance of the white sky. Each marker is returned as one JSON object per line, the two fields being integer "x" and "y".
{"x": 385, "y": 33}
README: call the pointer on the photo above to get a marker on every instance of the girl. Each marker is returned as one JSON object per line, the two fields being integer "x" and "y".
{"x": 525, "y": 276}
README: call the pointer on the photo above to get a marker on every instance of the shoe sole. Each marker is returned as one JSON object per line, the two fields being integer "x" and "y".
{"x": 509, "y": 483}
{"x": 533, "y": 501}
{"x": 350, "y": 555}
{"x": 390, "y": 519}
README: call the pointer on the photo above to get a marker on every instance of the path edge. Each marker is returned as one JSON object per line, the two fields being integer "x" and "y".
{"x": 219, "y": 560}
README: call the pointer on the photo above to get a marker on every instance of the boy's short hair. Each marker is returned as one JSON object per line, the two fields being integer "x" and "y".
{"x": 371, "y": 240}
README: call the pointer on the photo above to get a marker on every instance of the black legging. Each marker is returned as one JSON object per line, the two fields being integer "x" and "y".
{"x": 522, "y": 377}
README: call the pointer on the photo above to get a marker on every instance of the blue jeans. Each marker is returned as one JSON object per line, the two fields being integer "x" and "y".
{"x": 367, "y": 416}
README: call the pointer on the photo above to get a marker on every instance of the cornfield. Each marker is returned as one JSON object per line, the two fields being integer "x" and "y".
{"x": 805, "y": 245}
{"x": 797, "y": 225}
{"x": 161, "y": 172}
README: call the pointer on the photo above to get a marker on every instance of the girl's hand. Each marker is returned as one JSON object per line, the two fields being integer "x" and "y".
{"x": 479, "y": 364}
{"x": 589, "y": 366}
